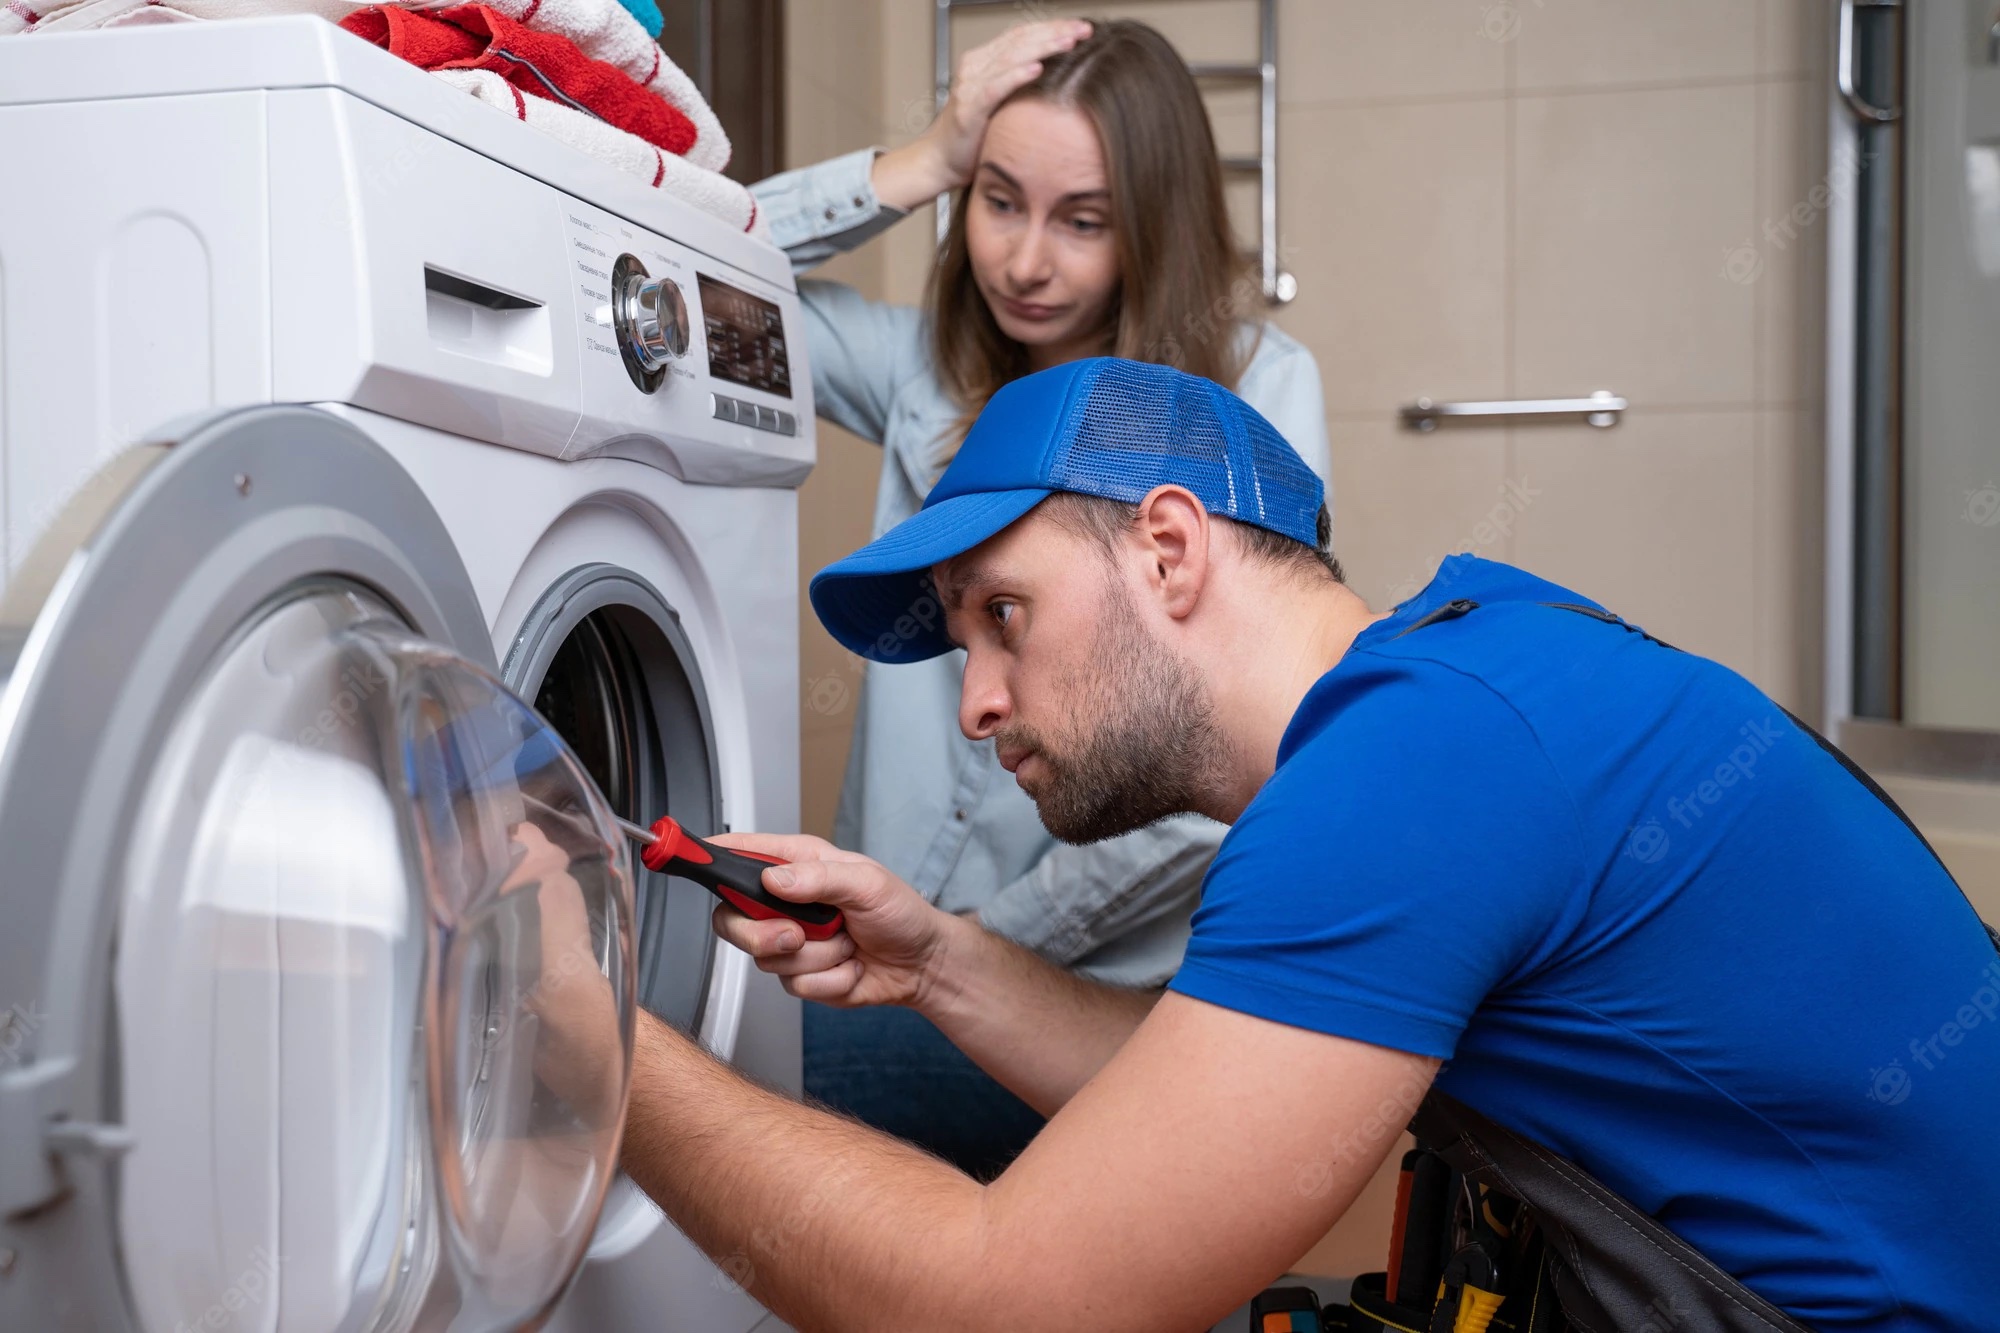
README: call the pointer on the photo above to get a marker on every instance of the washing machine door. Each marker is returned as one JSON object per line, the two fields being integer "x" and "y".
{"x": 316, "y": 944}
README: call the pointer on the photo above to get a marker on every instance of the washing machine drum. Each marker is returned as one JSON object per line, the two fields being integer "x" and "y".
{"x": 325, "y": 937}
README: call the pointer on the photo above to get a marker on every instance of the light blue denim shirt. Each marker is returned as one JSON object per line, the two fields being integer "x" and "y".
{"x": 919, "y": 797}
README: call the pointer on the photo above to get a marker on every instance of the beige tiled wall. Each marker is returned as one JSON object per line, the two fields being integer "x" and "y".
{"x": 1480, "y": 198}
{"x": 833, "y": 103}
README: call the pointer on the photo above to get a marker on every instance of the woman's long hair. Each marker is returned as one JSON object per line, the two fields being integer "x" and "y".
{"x": 1182, "y": 282}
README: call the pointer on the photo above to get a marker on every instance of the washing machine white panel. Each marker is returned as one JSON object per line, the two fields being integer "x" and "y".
{"x": 134, "y": 291}
{"x": 308, "y": 902}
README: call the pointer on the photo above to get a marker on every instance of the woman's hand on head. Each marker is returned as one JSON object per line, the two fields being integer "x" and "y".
{"x": 944, "y": 155}
{"x": 890, "y": 951}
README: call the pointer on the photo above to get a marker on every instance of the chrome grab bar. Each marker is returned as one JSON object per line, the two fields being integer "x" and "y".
{"x": 1600, "y": 409}
{"x": 1844, "y": 65}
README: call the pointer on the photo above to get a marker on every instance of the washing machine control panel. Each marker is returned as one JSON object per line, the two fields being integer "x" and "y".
{"x": 691, "y": 355}
{"x": 650, "y": 317}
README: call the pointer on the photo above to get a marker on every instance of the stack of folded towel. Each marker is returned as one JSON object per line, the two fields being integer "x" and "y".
{"x": 587, "y": 72}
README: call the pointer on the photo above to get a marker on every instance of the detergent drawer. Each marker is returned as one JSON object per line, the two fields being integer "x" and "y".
{"x": 415, "y": 277}
{"x": 418, "y": 278}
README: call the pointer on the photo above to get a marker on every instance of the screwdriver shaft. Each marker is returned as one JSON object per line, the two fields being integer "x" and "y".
{"x": 643, "y": 836}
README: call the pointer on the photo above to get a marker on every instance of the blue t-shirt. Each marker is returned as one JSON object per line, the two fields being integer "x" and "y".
{"x": 1648, "y": 922}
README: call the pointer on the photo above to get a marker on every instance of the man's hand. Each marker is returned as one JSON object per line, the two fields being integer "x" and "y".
{"x": 1039, "y": 1030}
{"x": 894, "y": 945}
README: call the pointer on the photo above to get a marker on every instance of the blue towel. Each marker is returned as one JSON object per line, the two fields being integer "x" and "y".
{"x": 647, "y": 13}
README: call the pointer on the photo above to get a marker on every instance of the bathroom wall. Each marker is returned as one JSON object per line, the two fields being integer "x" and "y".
{"x": 1479, "y": 200}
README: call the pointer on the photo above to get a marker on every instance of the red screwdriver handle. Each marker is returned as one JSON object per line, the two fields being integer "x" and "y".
{"x": 735, "y": 877}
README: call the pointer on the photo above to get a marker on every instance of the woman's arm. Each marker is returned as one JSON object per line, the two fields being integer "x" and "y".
{"x": 1075, "y": 901}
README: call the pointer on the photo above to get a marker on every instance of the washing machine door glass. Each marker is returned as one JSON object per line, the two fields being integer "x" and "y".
{"x": 374, "y": 984}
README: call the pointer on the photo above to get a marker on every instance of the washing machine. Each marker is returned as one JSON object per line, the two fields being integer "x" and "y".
{"x": 342, "y": 419}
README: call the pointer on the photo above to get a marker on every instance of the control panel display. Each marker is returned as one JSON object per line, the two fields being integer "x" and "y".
{"x": 746, "y": 338}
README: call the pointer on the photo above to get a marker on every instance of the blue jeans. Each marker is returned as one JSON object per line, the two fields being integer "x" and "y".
{"x": 891, "y": 1068}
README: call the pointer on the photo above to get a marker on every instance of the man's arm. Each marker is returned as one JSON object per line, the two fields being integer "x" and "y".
{"x": 1039, "y": 1030}
{"x": 1210, "y": 1153}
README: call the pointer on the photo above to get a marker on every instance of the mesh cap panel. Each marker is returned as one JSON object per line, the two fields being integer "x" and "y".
{"x": 1138, "y": 429}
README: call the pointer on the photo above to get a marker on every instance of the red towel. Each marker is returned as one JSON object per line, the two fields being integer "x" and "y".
{"x": 477, "y": 37}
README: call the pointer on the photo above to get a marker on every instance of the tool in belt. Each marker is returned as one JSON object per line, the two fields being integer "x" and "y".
{"x": 1493, "y": 1230}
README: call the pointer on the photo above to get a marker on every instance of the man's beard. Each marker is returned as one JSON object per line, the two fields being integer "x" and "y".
{"x": 1151, "y": 751}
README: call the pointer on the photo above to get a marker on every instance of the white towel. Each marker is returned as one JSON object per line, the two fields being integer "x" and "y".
{"x": 601, "y": 29}
{"x": 707, "y": 190}
{"x": 18, "y": 16}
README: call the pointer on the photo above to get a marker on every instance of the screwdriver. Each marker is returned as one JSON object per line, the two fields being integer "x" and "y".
{"x": 735, "y": 877}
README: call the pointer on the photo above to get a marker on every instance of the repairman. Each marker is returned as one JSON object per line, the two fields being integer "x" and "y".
{"x": 1645, "y": 917}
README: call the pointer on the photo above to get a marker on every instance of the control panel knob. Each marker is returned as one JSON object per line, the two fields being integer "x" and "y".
{"x": 651, "y": 318}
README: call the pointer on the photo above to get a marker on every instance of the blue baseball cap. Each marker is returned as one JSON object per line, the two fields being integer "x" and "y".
{"x": 1103, "y": 426}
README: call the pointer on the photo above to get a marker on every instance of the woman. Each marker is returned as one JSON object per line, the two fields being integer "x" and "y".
{"x": 1088, "y": 220}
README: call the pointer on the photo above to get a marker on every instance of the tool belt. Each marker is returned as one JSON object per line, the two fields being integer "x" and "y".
{"x": 1495, "y": 1231}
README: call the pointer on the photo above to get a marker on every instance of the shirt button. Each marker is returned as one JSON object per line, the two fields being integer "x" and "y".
{"x": 859, "y": 202}
{"x": 959, "y": 815}
{"x": 829, "y": 214}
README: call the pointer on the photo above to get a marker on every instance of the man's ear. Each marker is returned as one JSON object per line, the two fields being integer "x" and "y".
{"x": 1174, "y": 535}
